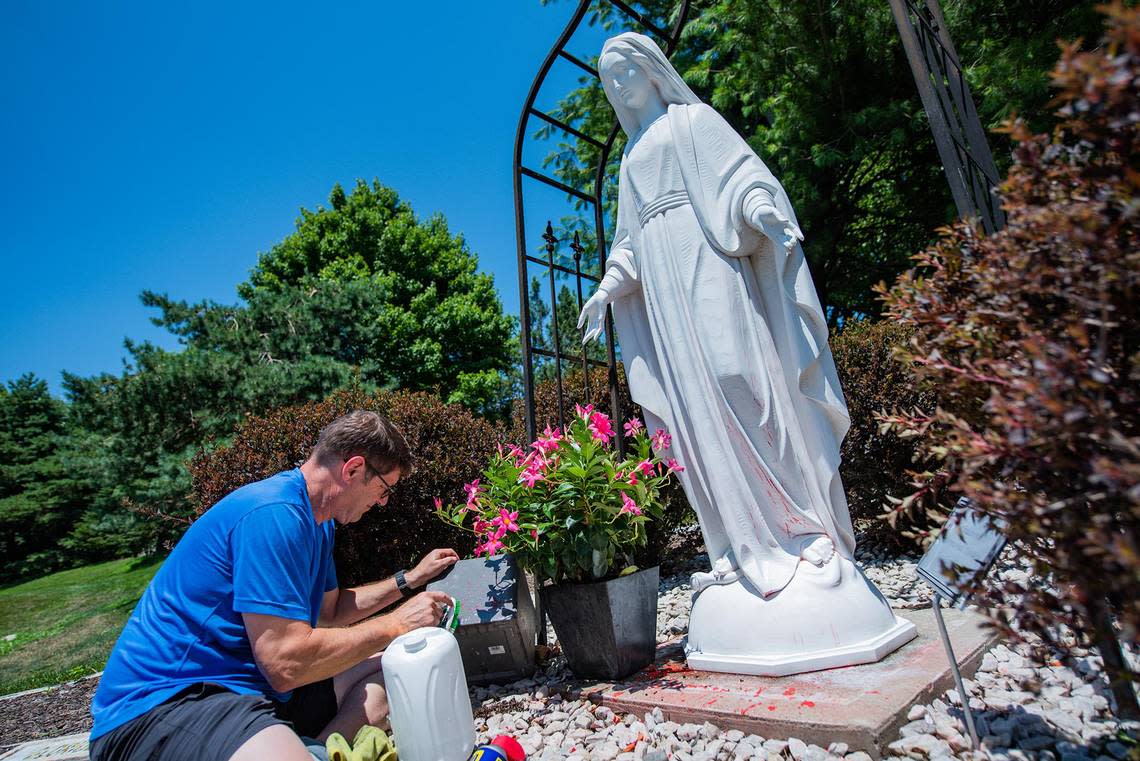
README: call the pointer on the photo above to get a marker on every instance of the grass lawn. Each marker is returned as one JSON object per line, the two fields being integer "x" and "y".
{"x": 65, "y": 624}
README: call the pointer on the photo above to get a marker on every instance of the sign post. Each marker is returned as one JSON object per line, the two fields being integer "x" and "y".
{"x": 961, "y": 556}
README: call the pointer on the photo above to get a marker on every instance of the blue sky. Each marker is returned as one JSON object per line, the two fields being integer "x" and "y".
{"x": 159, "y": 146}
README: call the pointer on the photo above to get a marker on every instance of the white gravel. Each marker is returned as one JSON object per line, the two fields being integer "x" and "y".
{"x": 1022, "y": 712}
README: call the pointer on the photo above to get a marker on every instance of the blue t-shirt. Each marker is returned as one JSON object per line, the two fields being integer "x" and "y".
{"x": 258, "y": 550}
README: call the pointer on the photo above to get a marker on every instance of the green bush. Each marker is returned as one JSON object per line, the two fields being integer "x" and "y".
{"x": 451, "y": 446}
{"x": 878, "y": 464}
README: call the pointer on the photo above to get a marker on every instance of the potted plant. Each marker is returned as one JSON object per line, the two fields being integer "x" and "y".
{"x": 571, "y": 510}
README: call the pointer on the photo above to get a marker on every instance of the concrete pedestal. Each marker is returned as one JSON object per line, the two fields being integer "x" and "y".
{"x": 863, "y": 706}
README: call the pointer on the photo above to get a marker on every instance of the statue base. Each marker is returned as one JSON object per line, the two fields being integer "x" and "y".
{"x": 828, "y": 616}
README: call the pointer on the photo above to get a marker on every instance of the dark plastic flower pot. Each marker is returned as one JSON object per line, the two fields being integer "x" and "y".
{"x": 607, "y": 629}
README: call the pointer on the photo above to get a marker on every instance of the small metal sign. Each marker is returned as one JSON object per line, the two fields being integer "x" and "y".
{"x": 962, "y": 554}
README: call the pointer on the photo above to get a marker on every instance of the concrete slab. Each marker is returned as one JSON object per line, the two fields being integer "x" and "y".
{"x": 66, "y": 748}
{"x": 863, "y": 706}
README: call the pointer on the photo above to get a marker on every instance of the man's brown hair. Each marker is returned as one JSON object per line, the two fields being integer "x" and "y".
{"x": 370, "y": 435}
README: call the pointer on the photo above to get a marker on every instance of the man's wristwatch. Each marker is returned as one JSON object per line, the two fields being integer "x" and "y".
{"x": 402, "y": 584}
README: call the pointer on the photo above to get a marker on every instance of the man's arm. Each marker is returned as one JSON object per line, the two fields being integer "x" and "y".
{"x": 291, "y": 653}
{"x": 344, "y": 607}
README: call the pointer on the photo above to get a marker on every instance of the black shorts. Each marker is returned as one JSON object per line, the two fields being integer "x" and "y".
{"x": 208, "y": 721}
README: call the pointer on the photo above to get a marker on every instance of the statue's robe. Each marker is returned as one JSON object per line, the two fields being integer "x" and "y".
{"x": 725, "y": 345}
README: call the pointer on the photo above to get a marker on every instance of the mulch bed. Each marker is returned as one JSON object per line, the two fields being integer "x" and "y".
{"x": 62, "y": 710}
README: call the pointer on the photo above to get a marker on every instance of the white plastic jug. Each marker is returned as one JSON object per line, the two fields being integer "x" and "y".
{"x": 428, "y": 703}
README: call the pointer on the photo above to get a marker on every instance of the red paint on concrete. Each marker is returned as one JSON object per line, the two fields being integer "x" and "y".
{"x": 862, "y": 706}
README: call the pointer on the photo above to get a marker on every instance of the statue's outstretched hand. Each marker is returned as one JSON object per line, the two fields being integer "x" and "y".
{"x": 593, "y": 316}
{"x": 768, "y": 219}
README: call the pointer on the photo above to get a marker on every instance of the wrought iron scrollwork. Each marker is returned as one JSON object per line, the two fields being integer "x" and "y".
{"x": 668, "y": 39}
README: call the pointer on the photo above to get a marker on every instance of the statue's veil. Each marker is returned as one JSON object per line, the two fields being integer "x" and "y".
{"x": 645, "y": 53}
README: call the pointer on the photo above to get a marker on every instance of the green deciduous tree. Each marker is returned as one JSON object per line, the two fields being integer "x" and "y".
{"x": 400, "y": 298}
{"x": 361, "y": 295}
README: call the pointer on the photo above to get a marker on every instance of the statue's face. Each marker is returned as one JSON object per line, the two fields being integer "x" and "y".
{"x": 626, "y": 79}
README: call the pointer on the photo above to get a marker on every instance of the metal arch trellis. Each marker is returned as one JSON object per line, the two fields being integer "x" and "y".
{"x": 670, "y": 38}
{"x": 946, "y": 98}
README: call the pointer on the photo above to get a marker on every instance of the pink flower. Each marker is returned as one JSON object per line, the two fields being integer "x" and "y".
{"x": 507, "y": 520}
{"x": 661, "y": 439}
{"x": 674, "y": 466}
{"x": 531, "y": 476}
{"x": 548, "y": 441}
{"x": 633, "y": 427}
{"x": 601, "y": 428}
{"x": 633, "y": 478}
{"x": 584, "y": 412}
{"x": 534, "y": 534}
{"x": 516, "y": 453}
{"x": 481, "y": 526}
{"x": 645, "y": 466}
{"x": 473, "y": 490}
{"x": 628, "y": 505}
{"x": 500, "y": 532}
{"x": 491, "y": 547}
{"x": 438, "y": 503}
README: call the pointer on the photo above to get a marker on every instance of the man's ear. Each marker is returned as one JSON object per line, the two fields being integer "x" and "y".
{"x": 350, "y": 467}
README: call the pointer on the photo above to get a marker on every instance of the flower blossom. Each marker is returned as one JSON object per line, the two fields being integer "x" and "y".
{"x": 548, "y": 441}
{"x": 506, "y": 521}
{"x": 661, "y": 439}
{"x": 532, "y": 474}
{"x": 584, "y": 412}
{"x": 645, "y": 466}
{"x": 600, "y": 428}
{"x": 473, "y": 490}
{"x": 633, "y": 427}
{"x": 491, "y": 547}
{"x": 628, "y": 505}
{"x": 674, "y": 466}
{"x": 438, "y": 503}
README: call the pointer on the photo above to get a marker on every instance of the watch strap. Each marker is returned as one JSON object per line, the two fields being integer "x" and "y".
{"x": 402, "y": 584}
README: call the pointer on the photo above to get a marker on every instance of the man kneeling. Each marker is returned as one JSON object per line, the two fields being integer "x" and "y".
{"x": 244, "y": 642}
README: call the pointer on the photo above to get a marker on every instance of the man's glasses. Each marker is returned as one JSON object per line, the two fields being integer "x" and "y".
{"x": 389, "y": 489}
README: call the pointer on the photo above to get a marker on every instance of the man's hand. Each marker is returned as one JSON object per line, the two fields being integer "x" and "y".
{"x": 593, "y": 316}
{"x": 425, "y": 609}
{"x": 433, "y": 564}
{"x": 768, "y": 219}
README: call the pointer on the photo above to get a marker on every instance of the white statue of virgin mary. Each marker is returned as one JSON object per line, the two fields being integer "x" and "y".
{"x": 725, "y": 347}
